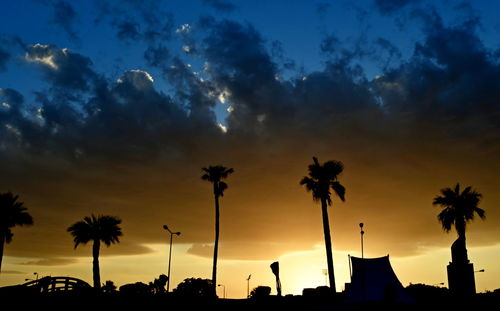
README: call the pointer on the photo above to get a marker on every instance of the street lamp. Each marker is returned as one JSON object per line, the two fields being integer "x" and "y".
{"x": 482, "y": 270}
{"x": 170, "y": 253}
{"x": 224, "y": 289}
{"x": 36, "y": 274}
{"x": 248, "y": 286}
{"x": 362, "y": 233}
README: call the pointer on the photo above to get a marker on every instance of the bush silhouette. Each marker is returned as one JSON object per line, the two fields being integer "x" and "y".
{"x": 260, "y": 292}
{"x": 194, "y": 287}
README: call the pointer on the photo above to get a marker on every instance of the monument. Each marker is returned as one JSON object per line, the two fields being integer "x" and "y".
{"x": 461, "y": 270}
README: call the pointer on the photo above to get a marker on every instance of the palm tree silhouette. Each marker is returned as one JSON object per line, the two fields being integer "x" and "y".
{"x": 12, "y": 213}
{"x": 96, "y": 229}
{"x": 321, "y": 179}
{"x": 459, "y": 208}
{"x": 215, "y": 174}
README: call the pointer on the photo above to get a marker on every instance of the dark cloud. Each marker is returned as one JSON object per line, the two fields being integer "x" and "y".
{"x": 451, "y": 73}
{"x": 49, "y": 262}
{"x": 393, "y": 53}
{"x": 126, "y": 30}
{"x": 64, "y": 68}
{"x": 391, "y": 6}
{"x": 220, "y": 5}
{"x": 9, "y": 45}
{"x": 13, "y": 272}
{"x": 4, "y": 57}
{"x": 143, "y": 22}
{"x": 122, "y": 147}
{"x": 64, "y": 16}
{"x": 157, "y": 56}
{"x": 322, "y": 8}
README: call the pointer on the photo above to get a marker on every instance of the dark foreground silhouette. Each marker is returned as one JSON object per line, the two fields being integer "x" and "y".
{"x": 426, "y": 298}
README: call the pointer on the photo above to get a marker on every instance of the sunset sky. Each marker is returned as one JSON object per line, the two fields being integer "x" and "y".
{"x": 113, "y": 107}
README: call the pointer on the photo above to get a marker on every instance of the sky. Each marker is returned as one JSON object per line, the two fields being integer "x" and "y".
{"x": 113, "y": 107}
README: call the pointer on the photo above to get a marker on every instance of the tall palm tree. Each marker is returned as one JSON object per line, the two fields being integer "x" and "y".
{"x": 12, "y": 213}
{"x": 98, "y": 229}
{"x": 215, "y": 174}
{"x": 322, "y": 179}
{"x": 459, "y": 208}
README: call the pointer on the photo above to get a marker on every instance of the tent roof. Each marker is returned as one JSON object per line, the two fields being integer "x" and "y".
{"x": 373, "y": 279}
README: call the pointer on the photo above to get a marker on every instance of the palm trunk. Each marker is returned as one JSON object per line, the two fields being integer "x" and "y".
{"x": 328, "y": 244}
{"x": 216, "y": 245}
{"x": 2, "y": 243}
{"x": 460, "y": 227}
{"x": 95, "y": 264}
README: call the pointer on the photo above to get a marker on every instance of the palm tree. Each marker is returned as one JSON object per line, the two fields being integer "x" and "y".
{"x": 459, "y": 208}
{"x": 321, "y": 179}
{"x": 12, "y": 213}
{"x": 215, "y": 174}
{"x": 96, "y": 229}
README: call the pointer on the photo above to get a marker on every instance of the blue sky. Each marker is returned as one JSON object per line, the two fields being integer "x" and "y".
{"x": 297, "y": 28}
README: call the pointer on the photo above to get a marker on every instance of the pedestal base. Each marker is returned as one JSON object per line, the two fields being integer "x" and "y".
{"x": 461, "y": 279}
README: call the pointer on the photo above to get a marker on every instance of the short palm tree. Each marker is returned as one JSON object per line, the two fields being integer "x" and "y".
{"x": 215, "y": 174}
{"x": 98, "y": 229}
{"x": 323, "y": 178}
{"x": 459, "y": 208}
{"x": 12, "y": 213}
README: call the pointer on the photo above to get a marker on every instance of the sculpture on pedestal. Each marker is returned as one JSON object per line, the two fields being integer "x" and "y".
{"x": 459, "y": 208}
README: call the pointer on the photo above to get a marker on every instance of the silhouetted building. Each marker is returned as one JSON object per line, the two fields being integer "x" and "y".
{"x": 460, "y": 270}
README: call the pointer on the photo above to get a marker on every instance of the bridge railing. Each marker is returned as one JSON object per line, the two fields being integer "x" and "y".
{"x": 57, "y": 284}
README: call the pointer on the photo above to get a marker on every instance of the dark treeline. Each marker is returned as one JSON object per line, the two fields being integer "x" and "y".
{"x": 427, "y": 297}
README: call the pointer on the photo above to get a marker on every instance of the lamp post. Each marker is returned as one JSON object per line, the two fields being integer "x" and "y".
{"x": 36, "y": 274}
{"x": 362, "y": 233}
{"x": 325, "y": 273}
{"x": 224, "y": 289}
{"x": 248, "y": 286}
{"x": 482, "y": 270}
{"x": 170, "y": 253}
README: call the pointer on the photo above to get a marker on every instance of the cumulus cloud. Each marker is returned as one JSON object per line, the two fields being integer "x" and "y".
{"x": 62, "y": 67}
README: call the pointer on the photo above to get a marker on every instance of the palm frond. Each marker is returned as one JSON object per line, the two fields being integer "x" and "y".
{"x": 8, "y": 236}
{"x": 339, "y": 190}
{"x": 102, "y": 228}
{"x": 221, "y": 187}
{"x": 447, "y": 219}
{"x": 215, "y": 174}
{"x": 459, "y": 207}
{"x": 12, "y": 214}
{"x": 323, "y": 177}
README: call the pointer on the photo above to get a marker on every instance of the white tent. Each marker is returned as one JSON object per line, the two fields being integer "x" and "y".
{"x": 373, "y": 279}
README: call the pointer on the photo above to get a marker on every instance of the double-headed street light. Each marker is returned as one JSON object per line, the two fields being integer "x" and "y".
{"x": 170, "y": 253}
